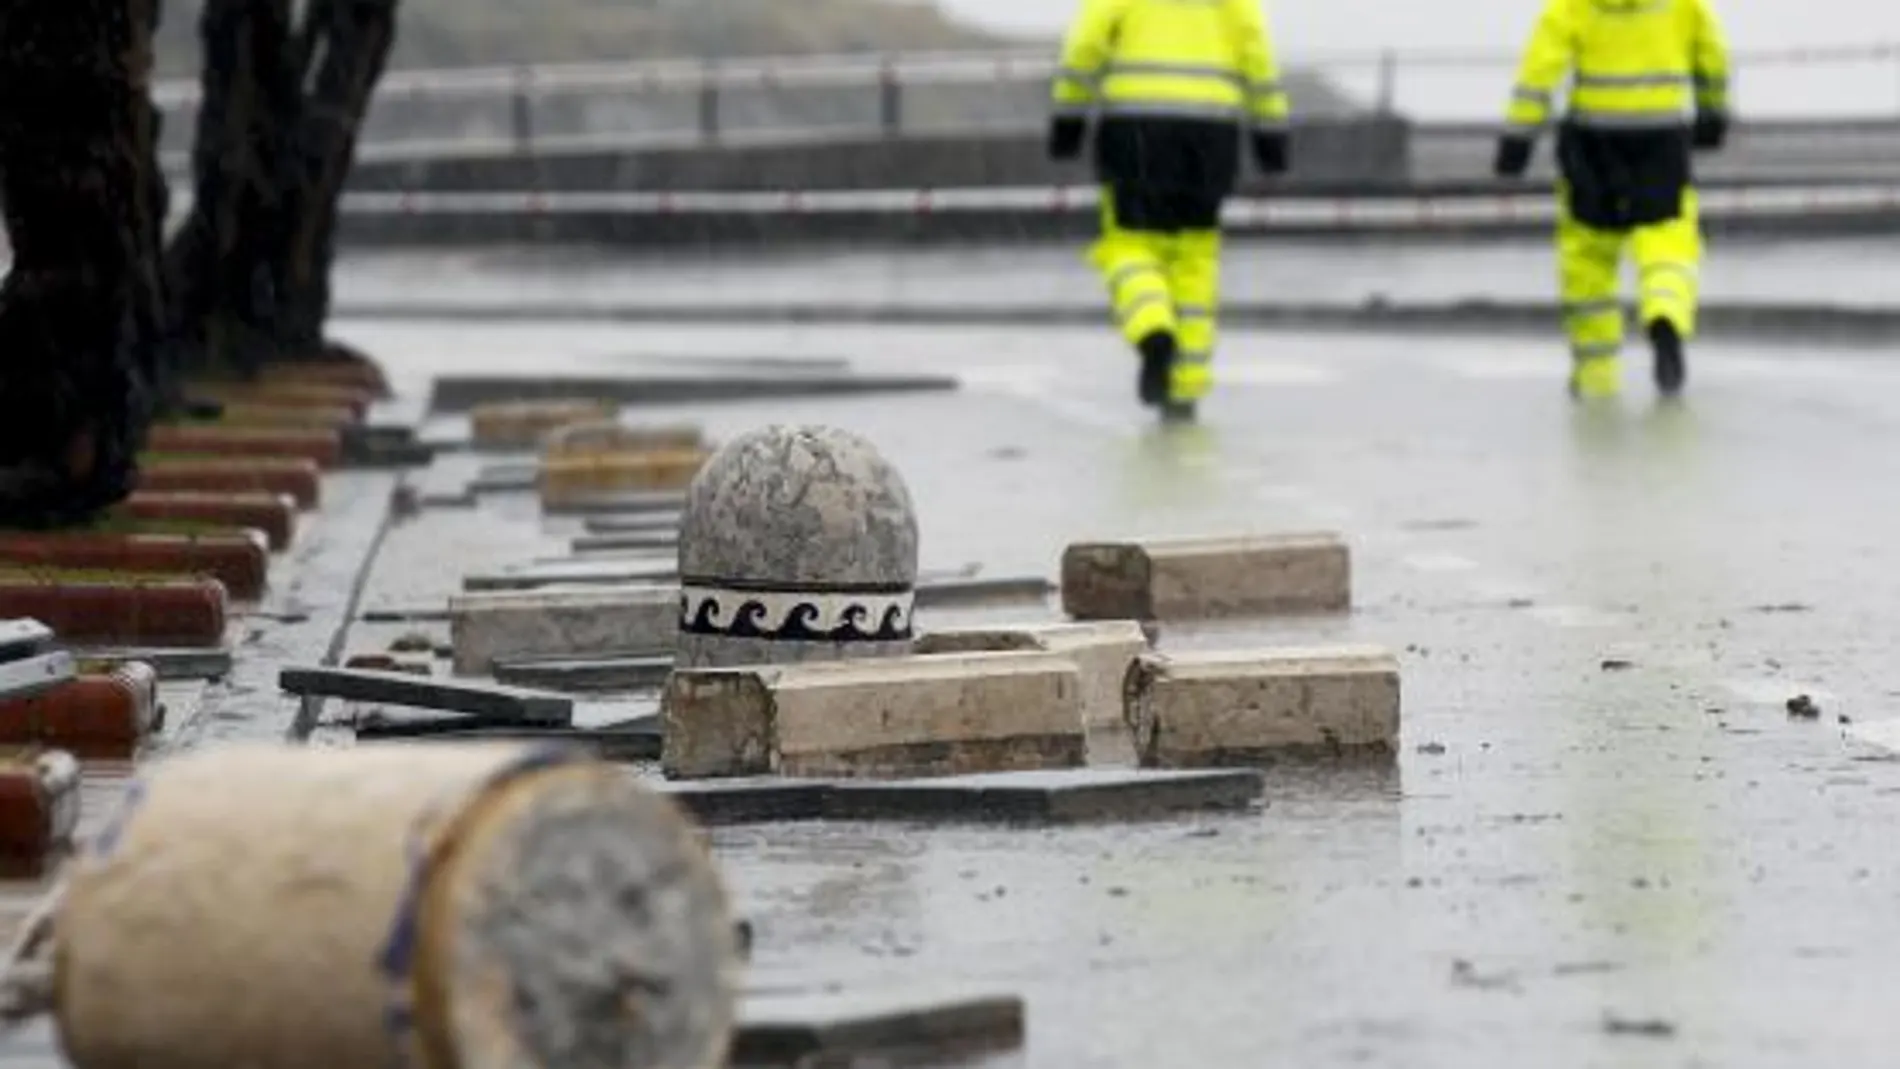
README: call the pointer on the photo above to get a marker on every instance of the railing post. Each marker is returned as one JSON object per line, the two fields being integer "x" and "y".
{"x": 708, "y": 103}
{"x": 523, "y": 103}
{"x": 890, "y": 102}
{"x": 1387, "y": 93}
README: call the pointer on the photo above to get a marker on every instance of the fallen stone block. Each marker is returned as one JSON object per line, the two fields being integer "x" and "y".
{"x": 299, "y": 479}
{"x": 621, "y": 543}
{"x": 1215, "y": 709}
{"x": 612, "y": 437}
{"x": 89, "y": 608}
{"x": 489, "y": 704}
{"x": 637, "y": 740}
{"x": 324, "y": 448}
{"x": 634, "y": 504}
{"x": 1206, "y": 578}
{"x": 39, "y": 805}
{"x": 567, "y": 479}
{"x": 273, "y": 514}
{"x": 523, "y": 424}
{"x": 573, "y": 573}
{"x": 587, "y": 674}
{"x": 239, "y": 559}
{"x": 546, "y": 872}
{"x": 800, "y": 1030}
{"x": 879, "y": 717}
{"x": 623, "y": 620}
{"x": 1102, "y": 652}
{"x": 106, "y": 713}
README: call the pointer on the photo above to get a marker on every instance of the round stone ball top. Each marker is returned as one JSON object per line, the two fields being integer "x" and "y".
{"x": 799, "y": 508}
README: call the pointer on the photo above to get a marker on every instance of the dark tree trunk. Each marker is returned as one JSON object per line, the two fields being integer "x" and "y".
{"x": 277, "y": 130}
{"x": 74, "y": 181}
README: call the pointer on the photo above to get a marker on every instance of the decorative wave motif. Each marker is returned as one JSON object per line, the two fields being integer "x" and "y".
{"x": 796, "y": 617}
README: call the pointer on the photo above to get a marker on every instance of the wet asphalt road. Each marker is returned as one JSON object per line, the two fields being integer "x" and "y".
{"x": 1606, "y": 843}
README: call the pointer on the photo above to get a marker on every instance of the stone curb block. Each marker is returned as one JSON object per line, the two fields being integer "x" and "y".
{"x": 608, "y": 437}
{"x": 105, "y": 714}
{"x": 119, "y": 610}
{"x": 1212, "y": 578}
{"x": 238, "y": 559}
{"x": 876, "y": 718}
{"x": 324, "y": 448}
{"x": 298, "y": 479}
{"x": 518, "y": 625}
{"x": 1102, "y": 653}
{"x": 39, "y": 806}
{"x": 567, "y": 480}
{"x": 523, "y": 424}
{"x": 275, "y": 515}
{"x": 1256, "y": 707}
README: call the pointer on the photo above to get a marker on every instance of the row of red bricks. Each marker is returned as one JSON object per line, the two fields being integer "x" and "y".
{"x": 214, "y": 501}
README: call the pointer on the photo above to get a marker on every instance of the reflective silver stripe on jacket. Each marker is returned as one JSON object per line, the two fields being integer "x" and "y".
{"x": 1176, "y": 70}
{"x": 1646, "y": 80}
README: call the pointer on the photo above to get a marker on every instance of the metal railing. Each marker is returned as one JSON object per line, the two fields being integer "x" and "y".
{"x": 532, "y": 109}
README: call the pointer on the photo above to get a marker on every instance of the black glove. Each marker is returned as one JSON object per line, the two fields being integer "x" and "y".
{"x": 1514, "y": 156}
{"x": 1711, "y": 129}
{"x": 1066, "y": 133}
{"x": 1272, "y": 150}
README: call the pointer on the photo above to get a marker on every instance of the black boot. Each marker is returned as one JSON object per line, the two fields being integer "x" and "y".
{"x": 1157, "y": 366}
{"x": 1671, "y": 368}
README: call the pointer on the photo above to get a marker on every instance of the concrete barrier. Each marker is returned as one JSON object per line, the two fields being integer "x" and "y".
{"x": 884, "y": 718}
{"x": 1212, "y": 709}
{"x": 1206, "y": 578}
{"x": 511, "y": 626}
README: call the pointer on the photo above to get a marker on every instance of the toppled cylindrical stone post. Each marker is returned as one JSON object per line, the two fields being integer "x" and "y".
{"x": 796, "y": 544}
{"x": 517, "y": 625}
{"x": 1102, "y": 652}
{"x": 1215, "y": 709}
{"x": 1211, "y": 578}
{"x": 454, "y": 906}
{"x": 877, "y": 718}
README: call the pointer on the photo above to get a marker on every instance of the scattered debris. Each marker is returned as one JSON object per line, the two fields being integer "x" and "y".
{"x": 1432, "y": 749}
{"x": 1654, "y": 1028}
{"x": 1789, "y": 607}
{"x": 1617, "y": 664}
{"x": 413, "y": 642}
{"x": 1465, "y": 974}
{"x": 1803, "y": 707}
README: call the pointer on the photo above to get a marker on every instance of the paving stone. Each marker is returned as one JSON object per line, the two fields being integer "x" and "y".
{"x": 805, "y": 1030}
{"x": 645, "y": 503}
{"x": 88, "y": 608}
{"x": 658, "y": 522}
{"x": 39, "y": 801}
{"x": 495, "y": 704}
{"x": 106, "y": 713}
{"x": 567, "y": 479}
{"x": 618, "y": 543}
{"x": 1101, "y": 651}
{"x": 1214, "y": 709}
{"x": 461, "y": 393}
{"x": 967, "y": 593}
{"x": 598, "y": 674}
{"x": 1212, "y": 578}
{"x": 171, "y": 664}
{"x": 1054, "y": 797}
{"x": 518, "y": 625}
{"x": 521, "y": 424}
{"x": 876, "y": 717}
{"x": 635, "y": 740}
{"x": 572, "y": 573}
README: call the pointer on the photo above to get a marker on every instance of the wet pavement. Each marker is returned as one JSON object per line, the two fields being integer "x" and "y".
{"x": 1850, "y": 272}
{"x": 1606, "y": 842}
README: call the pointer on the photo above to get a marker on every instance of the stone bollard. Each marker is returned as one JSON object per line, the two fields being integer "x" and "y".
{"x": 455, "y": 906}
{"x": 796, "y": 544}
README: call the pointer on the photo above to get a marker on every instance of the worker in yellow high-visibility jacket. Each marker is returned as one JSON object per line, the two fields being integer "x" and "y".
{"x": 1647, "y": 86}
{"x": 1168, "y": 82}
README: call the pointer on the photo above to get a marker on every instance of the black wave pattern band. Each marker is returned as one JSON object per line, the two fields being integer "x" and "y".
{"x": 797, "y": 616}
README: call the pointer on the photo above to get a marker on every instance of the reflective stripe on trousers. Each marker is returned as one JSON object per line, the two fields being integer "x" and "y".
{"x": 1164, "y": 281}
{"x": 1668, "y": 257}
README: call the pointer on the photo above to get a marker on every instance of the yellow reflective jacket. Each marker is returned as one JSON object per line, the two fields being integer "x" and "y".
{"x": 1631, "y": 64}
{"x": 1185, "y": 58}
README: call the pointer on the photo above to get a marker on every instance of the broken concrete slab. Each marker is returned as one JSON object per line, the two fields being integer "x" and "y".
{"x": 461, "y": 393}
{"x": 495, "y": 704}
{"x": 1056, "y": 797}
{"x": 587, "y": 675}
{"x": 620, "y": 543}
{"x": 1101, "y": 651}
{"x": 969, "y": 593}
{"x": 804, "y": 1030}
{"x": 620, "y": 620}
{"x": 1257, "y": 707}
{"x": 572, "y": 573}
{"x": 1187, "y": 579}
{"x": 876, "y": 717}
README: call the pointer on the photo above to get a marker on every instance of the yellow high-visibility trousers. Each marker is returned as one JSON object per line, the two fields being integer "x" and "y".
{"x": 1668, "y": 260}
{"x": 1164, "y": 281}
